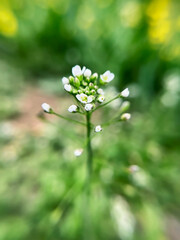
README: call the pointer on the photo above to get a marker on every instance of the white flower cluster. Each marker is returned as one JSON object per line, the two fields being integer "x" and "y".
{"x": 85, "y": 87}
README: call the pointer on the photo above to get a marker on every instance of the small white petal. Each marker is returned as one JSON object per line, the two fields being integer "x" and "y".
{"x": 67, "y": 87}
{"x": 88, "y": 107}
{"x": 65, "y": 80}
{"x": 46, "y": 107}
{"x": 82, "y": 97}
{"x": 101, "y": 98}
{"x": 83, "y": 69}
{"x": 95, "y": 75}
{"x": 126, "y": 116}
{"x": 100, "y": 91}
{"x": 90, "y": 99}
{"x": 125, "y": 92}
{"x": 76, "y": 71}
{"x": 72, "y": 108}
{"x": 98, "y": 128}
{"x": 87, "y": 73}
{"x": 134, "y": 168}
{"x": 78, "y": 152}
{"x": 107, "y": 76}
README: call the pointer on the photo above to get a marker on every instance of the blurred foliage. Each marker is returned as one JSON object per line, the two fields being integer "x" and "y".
{"x": 42, "y": 188}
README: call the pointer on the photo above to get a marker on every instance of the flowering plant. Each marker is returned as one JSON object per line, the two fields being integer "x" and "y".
{"x": 85, "y": 88}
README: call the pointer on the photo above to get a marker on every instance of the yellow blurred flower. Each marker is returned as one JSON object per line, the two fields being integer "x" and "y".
{"x": 8, "y": 23}
{"x": 159, "y": 21}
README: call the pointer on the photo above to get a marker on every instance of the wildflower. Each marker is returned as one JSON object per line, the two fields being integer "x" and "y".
{"x": 67, "y": 87}
{"x": 73, "y": 108}
{"x": 77, "y": 71}
{"x": 78, "y": 152}
{"x": 125, "y": 93}
{"x": 88, "y": 107}
{"x": 101, "y": 99}
{"x": 65, "y": 80}
{"x": 98, "y": 128}
{"x": 133, "y": 168}
{"x": 87, "y": 73}
{"x": 100, "y": 91}
{"x": 125, "y": 116}
{"x": 107, "y": 77}
{"x": 84, "y": 98}
{"x": 46, "y": 107}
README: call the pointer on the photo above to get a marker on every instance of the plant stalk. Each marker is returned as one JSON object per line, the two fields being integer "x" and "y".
{"x": 89, "y": 147}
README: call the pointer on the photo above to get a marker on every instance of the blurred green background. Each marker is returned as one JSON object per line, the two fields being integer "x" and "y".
{"x": 42, "y": 190}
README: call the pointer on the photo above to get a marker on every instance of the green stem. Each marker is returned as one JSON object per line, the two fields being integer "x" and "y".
{"x": 68, "y": 119}
{"x": 102, "y": 105}
{"x": 89, "y": 147}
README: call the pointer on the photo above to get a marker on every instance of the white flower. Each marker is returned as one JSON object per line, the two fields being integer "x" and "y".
{"x": 95, "y": 75}
{"x": 83, "y": 69}
{"x": 87, "y": 73}
{"x": 65, "y": 80}
{"x": 88, "y": 107}
{"x": 101, "y": 98}
{"x": 126, "y": 116}
{"x": 72, "y": 108}
{"x": 133, "y": 168}
{"x": 78, "y": 152}
{"x": 67, "y": 87}
{"x": 125, "y": 93}
{"x": 84, "y": 98}
{"x": 98, "y": 128}
{"x": 107, "y": 76}
{"x": 100, "y": 91}
{"x": 46, "y": 107}
{"x": 76, "y": 71}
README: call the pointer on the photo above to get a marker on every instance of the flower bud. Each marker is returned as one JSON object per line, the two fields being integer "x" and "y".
{"x": 125, "y": 106}
{"x": 76, "y": 82}
{"x": 84, "y": 83}
{"x": 65, "y": 80}
{"x": 88, "y": 107}
{"x": 73, "y": 108}
{"x": 78, "y": 152}
{"x": 125, "y": 116}
{"x": 98, "y": 128}
{"x": 68, "y": 87}
{"x": 71, "y": 80}
{"x": 125, "y": 93}
{"x": 46, "y": 107}
{"x": 94, "y": 77}
{"x": 87, "y": 73}
{"x": 91, "y": 86}
{"x": 100, "y": 91}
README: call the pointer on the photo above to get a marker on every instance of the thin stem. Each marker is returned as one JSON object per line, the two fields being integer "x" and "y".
{"x": 89, "y": 147}
{"x": 115, "y": 120}
{"x": 68, "y": 119}
{"x": 102, "y": 105}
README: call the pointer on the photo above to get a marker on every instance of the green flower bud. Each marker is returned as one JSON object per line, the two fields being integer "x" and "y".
{"x": 91, "y": 86}
{"x": 76, "y": 82}
{"x": 93, "y": 92}
{"x": 71, "y": 80}
{"x": 84, "y": 83}
{"x": 75, "y": 91}
{"x": 94, "y": 77}
{"x": 124, "y": 107}
{"x": 87, "y": 92}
